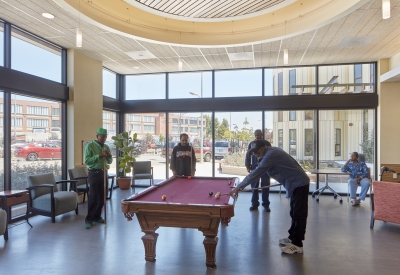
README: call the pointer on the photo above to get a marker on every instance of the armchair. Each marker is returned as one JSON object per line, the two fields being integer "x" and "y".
{"x": 3, "y": 222}
{"x": 385, "y": 202}
{"x": 46, "y": 200}
{"x": 80, "y": 175}
{"x": 142, "y": 170}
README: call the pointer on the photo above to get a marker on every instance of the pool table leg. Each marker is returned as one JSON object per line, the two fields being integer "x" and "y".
{"x": 210, "y": 244}
{"x": 149, "y": 242}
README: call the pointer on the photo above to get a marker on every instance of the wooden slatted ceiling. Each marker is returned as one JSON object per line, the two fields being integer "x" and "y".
{"x": 210, "y": 8}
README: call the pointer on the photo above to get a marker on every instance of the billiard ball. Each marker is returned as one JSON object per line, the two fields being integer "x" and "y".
{"x": 164, "y": 197}
{"x": 210, "y": 193}
{"x": 217, "y": 195}
{"x": 189, "y": 177}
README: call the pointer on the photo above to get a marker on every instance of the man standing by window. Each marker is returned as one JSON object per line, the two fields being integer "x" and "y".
{"x": 97, "y": 157}
{"x": 251, "y": 163}
{"x": 183, "y": 158}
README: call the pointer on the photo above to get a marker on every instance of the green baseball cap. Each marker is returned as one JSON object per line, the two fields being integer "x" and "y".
{"x": 101, "y": 131}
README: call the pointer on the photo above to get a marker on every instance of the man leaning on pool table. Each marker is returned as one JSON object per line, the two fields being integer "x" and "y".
{"x": 285, "y": 170}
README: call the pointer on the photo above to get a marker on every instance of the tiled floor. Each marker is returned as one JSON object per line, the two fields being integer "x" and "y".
{"x": 338, "y": 241}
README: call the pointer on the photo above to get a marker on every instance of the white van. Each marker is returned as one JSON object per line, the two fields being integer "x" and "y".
{"x": 222, "y": 148}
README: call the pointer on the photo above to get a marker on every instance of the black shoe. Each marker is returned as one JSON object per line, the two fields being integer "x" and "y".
{"x": 252, "y": 208}
{"x": 267, "y": 209}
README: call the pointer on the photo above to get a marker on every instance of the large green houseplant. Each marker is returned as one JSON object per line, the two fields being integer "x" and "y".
{"x": 125, "y": 142}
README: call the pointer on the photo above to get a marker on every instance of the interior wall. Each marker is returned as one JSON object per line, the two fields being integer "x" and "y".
{"x": 394, "y": 61}
{"x": 85, "y": 105}
{"x": 388, "y": 114}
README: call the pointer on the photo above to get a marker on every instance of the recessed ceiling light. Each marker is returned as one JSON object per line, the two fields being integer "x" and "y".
{"x": 241, "y": 56}
{"x": 48, "y": 15}
{"x": 135, "y": 67}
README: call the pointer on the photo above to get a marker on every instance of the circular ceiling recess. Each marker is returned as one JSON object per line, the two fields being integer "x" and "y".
{"x": 209, "y": 10}
{"x": 210, "y": 23}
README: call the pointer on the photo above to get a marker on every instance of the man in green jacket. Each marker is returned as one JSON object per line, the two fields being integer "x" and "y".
{"x": 97, "y": 157}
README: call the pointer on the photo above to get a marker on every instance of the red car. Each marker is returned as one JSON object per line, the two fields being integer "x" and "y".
{"x": 39, "y": 150}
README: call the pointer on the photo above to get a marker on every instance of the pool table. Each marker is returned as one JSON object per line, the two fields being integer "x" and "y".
{"x": 188, "y": 204}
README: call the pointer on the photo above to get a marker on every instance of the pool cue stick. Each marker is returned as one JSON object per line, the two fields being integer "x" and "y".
{"x": 263, "y": 187}
{"x": 191, "y": 158}
{"x": 258, "y": 188}
{"x": 105, "y": 189}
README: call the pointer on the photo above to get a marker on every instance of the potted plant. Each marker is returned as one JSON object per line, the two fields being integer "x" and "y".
{"x": 126, "y": 146}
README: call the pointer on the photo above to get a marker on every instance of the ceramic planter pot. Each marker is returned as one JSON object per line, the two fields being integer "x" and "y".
{"x": 124, "y": 183}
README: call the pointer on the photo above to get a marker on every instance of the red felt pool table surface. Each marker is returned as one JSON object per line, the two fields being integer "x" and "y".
{"x": 188, "y": 191}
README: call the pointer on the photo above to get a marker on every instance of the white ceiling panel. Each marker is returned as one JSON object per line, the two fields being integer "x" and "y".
{"x": 314, "y": 47}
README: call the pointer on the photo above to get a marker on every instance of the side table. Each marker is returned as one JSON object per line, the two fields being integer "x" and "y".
{"x": 13, "y": 197}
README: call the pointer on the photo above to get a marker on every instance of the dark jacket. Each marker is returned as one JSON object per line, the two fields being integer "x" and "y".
{"x": 183, "y": 160}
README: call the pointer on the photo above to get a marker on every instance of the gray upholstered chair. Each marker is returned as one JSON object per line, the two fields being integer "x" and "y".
{"x": 3, "y": 222}
{"x": 46, "y": 200}
{"x": 142, "y": 170}
{"x": 80, "y": 174}
{"x": 82, "y": 185}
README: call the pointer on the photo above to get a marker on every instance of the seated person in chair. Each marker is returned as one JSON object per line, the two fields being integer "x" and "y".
{"x": 358, "y": 175}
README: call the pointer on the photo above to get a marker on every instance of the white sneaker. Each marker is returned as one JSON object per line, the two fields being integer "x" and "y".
{"x": 355, "y": 202}
{"x": 285, "y": 241}
{"x": 291, "y": 249}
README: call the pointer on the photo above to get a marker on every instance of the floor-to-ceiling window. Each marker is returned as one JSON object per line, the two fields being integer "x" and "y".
{"x": 150, "y": 86}
{"x": 151, "y": 134}
{"x": 236, "y": 102}
{"x": 31, "y": 118}
{"x": 342, "y": 132}
{"x": 36, "y": 143}
{"x": 33, "y": 55}
{"x": 109, "y": 84}
{"x": 233, "y": 133}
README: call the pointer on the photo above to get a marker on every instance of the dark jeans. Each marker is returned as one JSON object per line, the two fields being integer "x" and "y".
{"x": 298, "y": 213}
{"x": 96, "y": 195}
{"x": 265, "y": 180}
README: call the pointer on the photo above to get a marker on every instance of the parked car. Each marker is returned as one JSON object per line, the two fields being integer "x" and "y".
{"x": 38, "y": 150}
{"x": 207, "y": 152}
{"x": 222, "y": 148}
{"x": 113, "y": 149}
{"x": 171, "y": 145}
{"x": 14, "y": 146}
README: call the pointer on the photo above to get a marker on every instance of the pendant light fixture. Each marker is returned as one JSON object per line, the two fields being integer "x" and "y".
{"x": 285, "y": 51}
{"x": 285, "y": 56}
{"x": 385, "y": 9}
{"x": 79, "y": 37}
{"x": 180, "y": 64}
